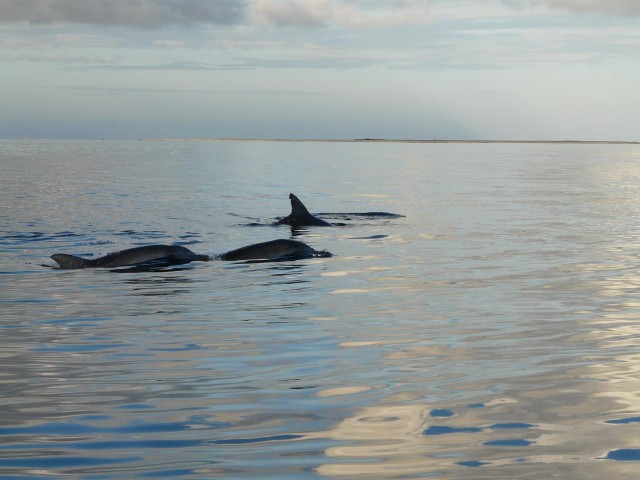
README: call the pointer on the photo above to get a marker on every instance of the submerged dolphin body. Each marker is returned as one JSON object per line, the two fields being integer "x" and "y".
{"x": 175, "y": 255}
{"x": 274, "y": 250}
{"x": 165, "y": 254}
{"x": 300, "y": 216}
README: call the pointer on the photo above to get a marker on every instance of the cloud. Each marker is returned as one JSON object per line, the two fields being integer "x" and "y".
{"x": 157, "y": 13}
{"x": 132, "y": 13}
{"x": 286, "y": 14}
{"x": 614, "y": 7}
{"x": 148, "y": 14}
{"x": 354, "y": 13}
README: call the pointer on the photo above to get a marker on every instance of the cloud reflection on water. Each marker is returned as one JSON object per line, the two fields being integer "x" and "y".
{"x": 575, "y": 406}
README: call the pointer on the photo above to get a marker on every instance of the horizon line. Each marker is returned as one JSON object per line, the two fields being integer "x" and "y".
{"x": 338, "y": 140}
{"x": 389, "y": 140}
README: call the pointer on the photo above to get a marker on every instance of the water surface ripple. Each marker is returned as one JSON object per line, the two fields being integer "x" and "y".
{"x": 491, "y": 332}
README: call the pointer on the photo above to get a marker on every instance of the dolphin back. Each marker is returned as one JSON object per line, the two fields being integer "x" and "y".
{"x": 149, "y": 254}
{"x": 70, "y": 261}
{"x": 274, "y": 250}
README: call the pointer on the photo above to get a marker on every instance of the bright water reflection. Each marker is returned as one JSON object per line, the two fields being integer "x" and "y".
{"x": 491, "y": 333}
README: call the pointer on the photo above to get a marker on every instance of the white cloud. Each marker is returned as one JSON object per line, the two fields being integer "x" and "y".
{"x": 132, "y": 13}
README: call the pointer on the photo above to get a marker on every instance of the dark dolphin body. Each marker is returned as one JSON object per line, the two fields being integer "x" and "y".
{"x": 300, "y": 216}
{"x": 175, "y": 255}
{"x": 149, "y": 254}
{"x": 274, "y": 250}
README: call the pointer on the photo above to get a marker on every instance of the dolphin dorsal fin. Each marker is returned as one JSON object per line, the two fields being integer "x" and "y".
{"x": 300, "y": 216}
{"x": 70, "y": 261}
{"x": 297, "y": 207}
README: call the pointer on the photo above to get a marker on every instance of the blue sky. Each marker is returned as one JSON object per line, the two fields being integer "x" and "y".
{"x": 440, "y": 69}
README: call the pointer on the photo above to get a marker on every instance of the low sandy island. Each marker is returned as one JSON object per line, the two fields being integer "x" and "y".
{"x": 384, "y": 140}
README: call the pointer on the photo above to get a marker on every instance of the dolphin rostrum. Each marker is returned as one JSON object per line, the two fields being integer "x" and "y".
{"x": 274, "y": 250}
{"x": 300, "y": 216}
{"x": 169, "y": 254}
{"x": 177, "y": 255}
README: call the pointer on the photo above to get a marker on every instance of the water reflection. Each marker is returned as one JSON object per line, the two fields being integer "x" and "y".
{"x": 401, "y": 440}
{"x": 491, "y": 334}
{"x": 568, "y": 396}
{"x": 150, "y": 269}
{"x": 151, "y": 285}
{"x": 390, "y": 435}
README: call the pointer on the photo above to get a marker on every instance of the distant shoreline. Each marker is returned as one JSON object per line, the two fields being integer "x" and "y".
{"x": 383, "y": 140}
{"x": 330, "y": 140}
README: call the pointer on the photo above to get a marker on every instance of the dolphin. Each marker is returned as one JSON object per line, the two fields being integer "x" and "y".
{"x": 274, "y": 250}
{"x": 165, "y": 254}
{"x": 300, "y": 216}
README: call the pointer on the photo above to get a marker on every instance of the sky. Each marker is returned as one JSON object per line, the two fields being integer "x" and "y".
{"x": 320, "y": 69}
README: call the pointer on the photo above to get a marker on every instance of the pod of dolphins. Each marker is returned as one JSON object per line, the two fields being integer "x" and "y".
{"x": 274, "y": 250}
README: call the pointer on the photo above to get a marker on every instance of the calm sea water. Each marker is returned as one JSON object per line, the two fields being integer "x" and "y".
{"x": 493, "y": 332}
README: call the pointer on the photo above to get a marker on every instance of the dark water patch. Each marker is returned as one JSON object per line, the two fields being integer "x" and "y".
{"x": 140, "y": 428}
{"x": 169, "y": 473}
{"x": 442, "y": 412}
{"x": 372, "y": 237}
{"x": 63, "y": 429}
{"x": 473, "y": 463}
{"x": 515, "y": 442}
{"x": 476, "y": 405}
{"x": 624, "y": 421}
{"x": 256, "y": 224}
{"x": 624, "y": 455}
{"x": 135, "y": 406}
{"x": 188, "y": 235}
{"x": 155, "y": 267}
{"x": 136, "y": 444}
{"x": 145, "y": 233}
{"x": 12, "y": 327}
{"x": 143, "y": 281}
{"x": 443, "y": 430}
{"x": 94, "y": 418}
{"x": 39, "y": 236}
